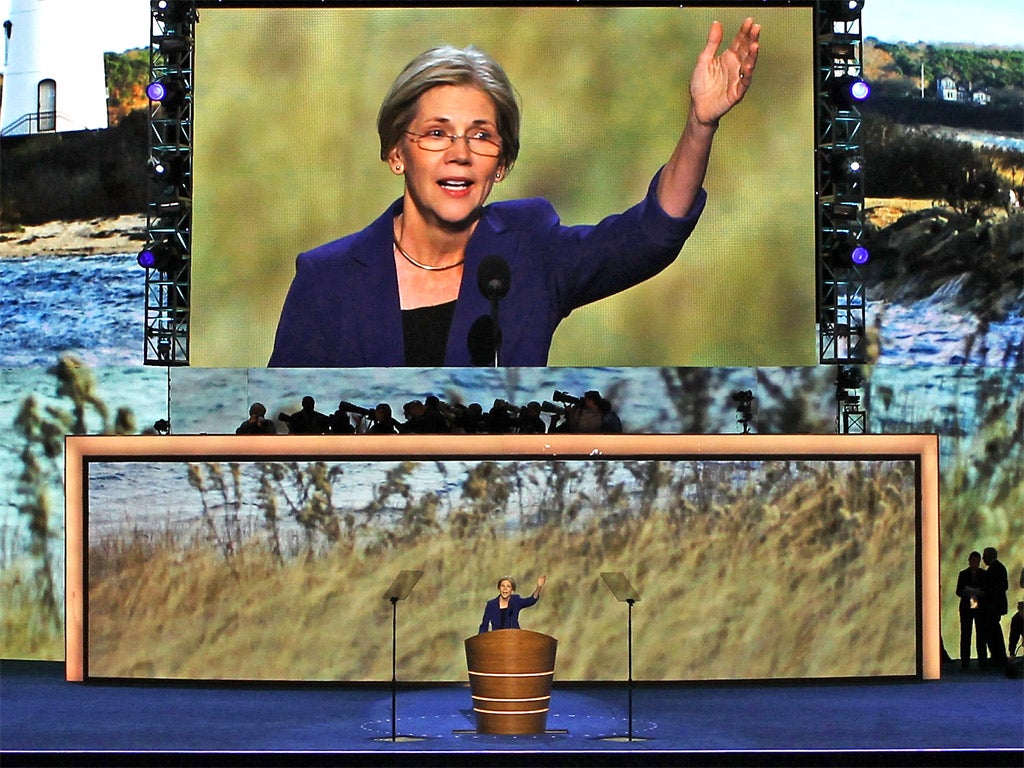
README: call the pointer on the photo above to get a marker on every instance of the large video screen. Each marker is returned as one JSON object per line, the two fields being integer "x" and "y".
{"x": 278, "y": 569}
{"x": 287, "y": 157}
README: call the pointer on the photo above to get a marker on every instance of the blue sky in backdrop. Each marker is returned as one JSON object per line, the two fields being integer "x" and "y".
{"x": 117, "y": 24}
{"x": 986, "y": 22}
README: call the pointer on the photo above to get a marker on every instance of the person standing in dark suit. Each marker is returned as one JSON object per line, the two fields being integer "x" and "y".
{"x": 1016, "y": 628}
{"x": 969, "y": 590}
{"x": 308, "y": 421}
{"x": 502, "y": 612}
{"x": 994, "y": 605}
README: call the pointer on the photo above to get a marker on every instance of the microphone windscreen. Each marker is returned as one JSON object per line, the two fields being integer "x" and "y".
{"x": 493, "y": 276}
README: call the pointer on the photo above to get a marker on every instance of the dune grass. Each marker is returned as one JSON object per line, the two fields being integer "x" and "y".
{"x": 27, "y": 629}
{"x": 805, "y": 570}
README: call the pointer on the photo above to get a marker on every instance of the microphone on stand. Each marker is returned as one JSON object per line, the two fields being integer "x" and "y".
{"x": 493, "y": 277}
{"x": 482, "y": 341}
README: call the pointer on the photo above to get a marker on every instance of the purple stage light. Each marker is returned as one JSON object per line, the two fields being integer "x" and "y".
{"x": 860, "y": 90}
{"x": 156, "y": 91}
{"x": 163, "y": 255}
{"x": 169, "y": 91}
{"x": 147, "y": 258}
{"x": 860, "y": 255}
{"x": 847, "y": 90}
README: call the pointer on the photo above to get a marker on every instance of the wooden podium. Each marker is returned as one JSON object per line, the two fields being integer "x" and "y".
{"x": 510, "y": 675}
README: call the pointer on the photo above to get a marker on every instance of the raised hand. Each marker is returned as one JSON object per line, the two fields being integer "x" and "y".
{"x": 720, "y": 80}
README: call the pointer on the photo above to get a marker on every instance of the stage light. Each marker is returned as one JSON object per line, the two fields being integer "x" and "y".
{"x": 169, "y": 91}
{"x": 170, "y": 43}
{"x": 171, "y": 10}
{"x": 163, "y": 256}
{"x": 168, "y": 170}
{"x": 156, "y": 91}
{"x": 860, "y": 255}
{"x": 848, "y": 251}
{"x": 843, "y": 10}
{"x": 850, "y": 165}
{"x": 846, "y": 167}
{"x": 848, "y": 90}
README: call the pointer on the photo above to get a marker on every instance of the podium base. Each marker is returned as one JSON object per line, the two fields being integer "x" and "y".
{"x": 474, "y": 732}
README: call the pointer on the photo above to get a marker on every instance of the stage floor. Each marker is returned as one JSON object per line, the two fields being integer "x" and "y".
{"x": 965, "y": 718}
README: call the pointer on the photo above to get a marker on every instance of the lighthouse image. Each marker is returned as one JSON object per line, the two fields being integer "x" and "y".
{"x": 53, "y": 67}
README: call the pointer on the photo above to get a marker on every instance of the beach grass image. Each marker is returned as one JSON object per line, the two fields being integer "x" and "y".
{"x": 784, "y": 569}
{"x": 976, "y": 411}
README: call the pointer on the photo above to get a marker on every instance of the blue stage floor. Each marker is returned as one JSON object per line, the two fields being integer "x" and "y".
{"x": 965, "y": 718}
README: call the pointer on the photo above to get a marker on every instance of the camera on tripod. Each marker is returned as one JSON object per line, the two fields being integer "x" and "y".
{"x": 742, "y": 398}
{"x": 549, "y": 407}
{"x": 744, "y": 407}
{"x": 565, "y": 397}
{"x": 504, "y": 405}
{"x": 350, "y": 408}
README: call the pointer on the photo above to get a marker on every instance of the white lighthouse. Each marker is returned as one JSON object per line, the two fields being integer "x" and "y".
{"x": 53, "y": 61}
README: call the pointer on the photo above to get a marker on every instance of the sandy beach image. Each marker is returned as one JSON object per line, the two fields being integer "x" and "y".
{"x": 85, "y": 237}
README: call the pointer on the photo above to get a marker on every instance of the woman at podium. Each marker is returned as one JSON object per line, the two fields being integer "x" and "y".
{"x": 502, "y": 612}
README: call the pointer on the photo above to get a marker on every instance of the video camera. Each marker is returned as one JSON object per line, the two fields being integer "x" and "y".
{"x": 744, "y": 401}
{"x": 741, "y": 398}
{"x": 549, "y": 407}
{"x": 350, "y": 408}
{"x": 511, "y": 410}
{"x": 565, "y": 397}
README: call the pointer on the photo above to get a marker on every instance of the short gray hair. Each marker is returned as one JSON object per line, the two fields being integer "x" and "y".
{"x": 510, "y": 580}
{"x": 448, "y": 65}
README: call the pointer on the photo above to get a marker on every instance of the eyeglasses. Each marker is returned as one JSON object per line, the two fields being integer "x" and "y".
{"x": 481, "y": 143}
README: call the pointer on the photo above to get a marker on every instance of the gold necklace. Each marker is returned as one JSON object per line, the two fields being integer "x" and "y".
{"x": 428, "y": 267}
{"x": 420, "y": 264}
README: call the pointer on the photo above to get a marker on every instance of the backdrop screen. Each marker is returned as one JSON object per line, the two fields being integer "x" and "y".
{"x": 277, "y": 570}
{"x": 286, "y": 157}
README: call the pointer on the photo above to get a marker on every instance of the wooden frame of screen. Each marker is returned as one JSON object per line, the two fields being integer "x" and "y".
{"x": 923, "y": 449}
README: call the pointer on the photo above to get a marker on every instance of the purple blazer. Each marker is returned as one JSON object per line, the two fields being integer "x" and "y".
{"x": 492, "y": 613}
{"x": 343, "y": 309}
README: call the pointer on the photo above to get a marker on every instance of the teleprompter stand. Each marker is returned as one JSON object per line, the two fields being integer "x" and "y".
{"x": 399, "y": 590}
{"x": 625, "y": 592}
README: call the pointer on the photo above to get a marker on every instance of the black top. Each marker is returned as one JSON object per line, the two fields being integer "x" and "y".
{"x": 425, "y": 333}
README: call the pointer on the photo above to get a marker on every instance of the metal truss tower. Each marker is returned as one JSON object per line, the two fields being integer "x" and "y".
{"x": 841, "y": 291}
{"x": 167, "y": 256}
{"x": 839, "y": 184}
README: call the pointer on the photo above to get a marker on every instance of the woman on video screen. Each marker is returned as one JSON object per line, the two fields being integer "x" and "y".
{"x": 423, "y": 284}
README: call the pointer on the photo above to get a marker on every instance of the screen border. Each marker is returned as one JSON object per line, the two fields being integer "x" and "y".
{"x": 81, "y": 450}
